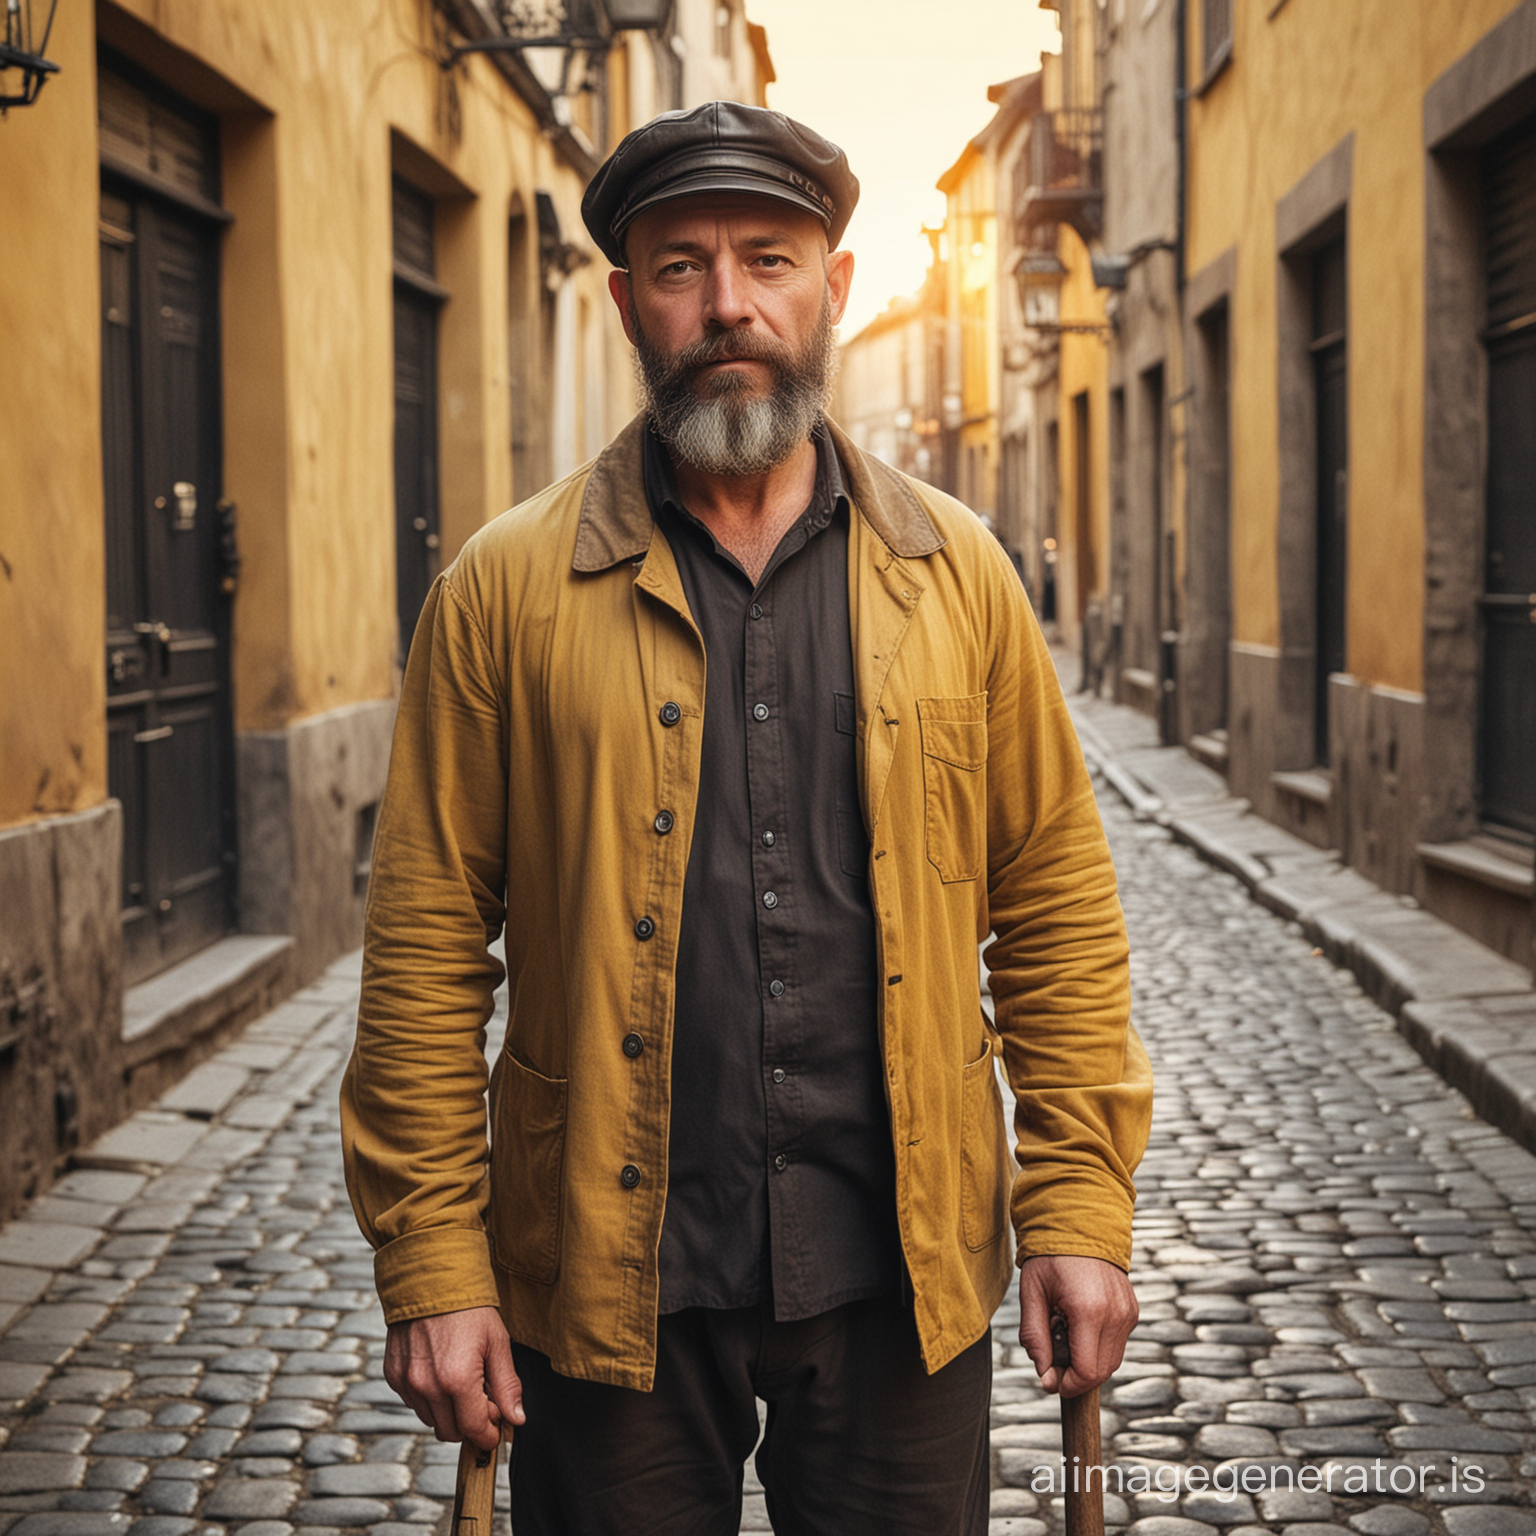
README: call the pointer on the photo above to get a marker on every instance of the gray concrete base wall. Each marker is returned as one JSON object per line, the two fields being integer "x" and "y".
{"x": 1377, "y": 735}
{"x": 1253, "y": 674}
{"x": 61, "y": 1081}
{"x": 302, "y": 796}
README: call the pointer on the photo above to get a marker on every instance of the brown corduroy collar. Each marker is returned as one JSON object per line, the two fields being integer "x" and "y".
{"x": 616, "y": 521}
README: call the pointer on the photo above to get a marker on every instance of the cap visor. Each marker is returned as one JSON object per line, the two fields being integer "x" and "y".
{"x": 701, "y": 183}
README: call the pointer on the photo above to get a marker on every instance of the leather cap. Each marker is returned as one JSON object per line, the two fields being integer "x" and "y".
{"x": 722, "y": 146}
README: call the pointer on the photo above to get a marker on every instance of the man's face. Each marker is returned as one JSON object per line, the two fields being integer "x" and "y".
{"x": 730, "y": 302}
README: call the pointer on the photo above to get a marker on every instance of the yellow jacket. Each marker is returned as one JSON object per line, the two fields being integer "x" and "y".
{"x": 552, "y": 706}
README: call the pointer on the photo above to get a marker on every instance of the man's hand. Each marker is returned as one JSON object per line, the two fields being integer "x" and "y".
{"x": 455, "y": 1371}
{"x": 1100, "y": 1308}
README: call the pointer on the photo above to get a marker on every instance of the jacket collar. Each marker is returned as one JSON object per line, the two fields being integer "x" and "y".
{"x": 616, "y": 522}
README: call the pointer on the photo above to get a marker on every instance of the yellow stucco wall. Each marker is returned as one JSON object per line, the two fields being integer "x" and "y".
{"x": 317, "y": 105}
{"x": 1303, "y": 77}
{"x": 971, "y": 225}
{"x": 52, "y": 570}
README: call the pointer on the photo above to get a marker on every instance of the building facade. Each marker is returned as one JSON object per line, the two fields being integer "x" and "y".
{"x": 293, "y": 304}
{"x": 1361, "y": 287}
{"x": 1257, "y": 418}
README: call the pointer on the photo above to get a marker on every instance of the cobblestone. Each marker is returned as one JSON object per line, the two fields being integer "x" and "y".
{"x": 1336, "y": 1261}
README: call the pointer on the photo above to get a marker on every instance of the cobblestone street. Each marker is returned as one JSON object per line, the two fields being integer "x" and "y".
{"x": 1336, "y": 1265}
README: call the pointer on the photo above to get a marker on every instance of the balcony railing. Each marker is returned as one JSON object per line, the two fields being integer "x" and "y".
{"x": 1060, "y": 176}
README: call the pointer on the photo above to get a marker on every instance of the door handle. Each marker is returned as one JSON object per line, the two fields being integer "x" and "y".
{"x": 186, "y": 506}
{"x": 160, "y": 631}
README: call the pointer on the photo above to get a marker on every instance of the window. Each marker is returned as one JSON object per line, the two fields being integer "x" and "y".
{"x": 1215, "y": 35}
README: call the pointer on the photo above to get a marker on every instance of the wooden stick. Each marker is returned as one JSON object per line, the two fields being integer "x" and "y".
{"x": 474, "y": 1492}
{"x": 1080, "y": 1446}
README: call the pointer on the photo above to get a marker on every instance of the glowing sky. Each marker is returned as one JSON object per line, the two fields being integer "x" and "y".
{"x": 900, "y": 85}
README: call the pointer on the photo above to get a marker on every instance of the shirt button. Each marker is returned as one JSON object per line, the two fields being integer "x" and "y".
{"x": 756, "y": 610}
{"x": 633, "y": 1045}
{"x": 770, "y": 900}
{"x": 759, "y": 711}
{"x": 778, "y": 1074}
{"x": 670, "y": 713}
{"x": 629, "y": 1176}
{"x": 644, "y": 928}
{"x": 664, "y": 822}
{"x": 781, "y": 1162}
{"x": 777, "y": 988}
{"x": 769, "y": 839}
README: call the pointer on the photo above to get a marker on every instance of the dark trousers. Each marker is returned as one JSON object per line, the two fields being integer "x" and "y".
{"x": 860, "y": 1440}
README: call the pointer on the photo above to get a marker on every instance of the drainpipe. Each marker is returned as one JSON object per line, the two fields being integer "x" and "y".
{"x": 1168, "y": 639}
{"x": 1181, "y": 135}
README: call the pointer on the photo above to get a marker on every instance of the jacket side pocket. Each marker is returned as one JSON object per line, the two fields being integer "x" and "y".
{"x": 985, "y": 1167}
{"x": 527, "y": 1150}
{"x": 954, "y": 732}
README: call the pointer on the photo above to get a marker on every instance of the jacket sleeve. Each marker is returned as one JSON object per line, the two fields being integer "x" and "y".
{"x": 413, "y": 1118}
{"x": 1059, "y": 961}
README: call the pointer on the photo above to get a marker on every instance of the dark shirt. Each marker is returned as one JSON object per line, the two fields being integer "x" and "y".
{"x": 781, "y": 1178}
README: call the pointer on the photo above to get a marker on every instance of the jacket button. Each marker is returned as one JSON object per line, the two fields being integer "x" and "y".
{"x": 670, "y": 713}
{"x": 644, "y": 928}
{"x": 664, "y": 822}
{"x": 769, "y": 839}
{"x": 756, "y": 610}
{"x": 759, "y": 711}
{"x": 781, "y": 1162}
{"x": 776, "y": 987}
{"x": 778, "y": 1074}
{"x": 633, "y": 1045}
{"x": 629, "y": 1176}
{"x": 770, "y": 900}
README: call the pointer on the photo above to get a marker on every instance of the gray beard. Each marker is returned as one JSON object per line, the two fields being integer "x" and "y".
{"x": 726, "y": 431}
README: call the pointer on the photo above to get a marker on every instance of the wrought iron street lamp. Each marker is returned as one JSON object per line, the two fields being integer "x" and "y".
{"x": 1039, "y": 275}
{"x": 579, "y": 25}
{"x": 23, "y": 49}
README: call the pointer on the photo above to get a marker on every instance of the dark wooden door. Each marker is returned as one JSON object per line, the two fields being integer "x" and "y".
{"x": 1507, "y": 707}
{"x": 417, "y": 301}
{"x": 167, "y": 715}
{"x": 1331, "y": 402}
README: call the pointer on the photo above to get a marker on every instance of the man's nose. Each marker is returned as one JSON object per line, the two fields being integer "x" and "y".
{"x": 727, "y": 296}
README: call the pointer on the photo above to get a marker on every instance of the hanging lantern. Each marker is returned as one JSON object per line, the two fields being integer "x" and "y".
{"x": 26, "y": 41}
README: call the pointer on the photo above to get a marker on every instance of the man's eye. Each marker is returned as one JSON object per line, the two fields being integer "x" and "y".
{"x": 772, "y": 261}
{"x": 675, "y": 269}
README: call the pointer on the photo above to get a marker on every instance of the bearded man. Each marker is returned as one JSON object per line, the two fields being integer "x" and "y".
{"x": 744, "y": 741}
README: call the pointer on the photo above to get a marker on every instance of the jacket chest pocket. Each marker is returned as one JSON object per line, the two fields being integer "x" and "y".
{"x": 954, "y": 732}
{"x": 527, "y": 1149}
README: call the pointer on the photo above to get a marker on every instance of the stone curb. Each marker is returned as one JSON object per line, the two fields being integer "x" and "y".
{"x": 1468, "y": 1011}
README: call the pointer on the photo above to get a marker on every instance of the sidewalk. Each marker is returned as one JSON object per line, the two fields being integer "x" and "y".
{"x": 1469, "y": 1012}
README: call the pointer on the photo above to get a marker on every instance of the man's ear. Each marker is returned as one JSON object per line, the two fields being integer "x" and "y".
{"x": 839, "y": 281}
{"x": 624, "y": 301}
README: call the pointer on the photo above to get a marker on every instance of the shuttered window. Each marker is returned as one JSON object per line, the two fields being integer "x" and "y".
{"x": 1507, "y": 706}
{"x": 1509, "y": 200}
{"x": 414, "y": 253}
{"x": 417, "y": 301}
{"x": 1216, "y": 34}
{"x": 143, "y": 135}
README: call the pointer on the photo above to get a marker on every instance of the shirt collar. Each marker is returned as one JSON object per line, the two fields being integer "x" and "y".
{"x": 828, "y": 494}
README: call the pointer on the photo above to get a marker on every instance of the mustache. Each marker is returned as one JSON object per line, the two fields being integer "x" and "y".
{"x": 729, "y": 347}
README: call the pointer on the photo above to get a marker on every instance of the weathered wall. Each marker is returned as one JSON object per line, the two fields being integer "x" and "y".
{"x": 52, "y": 573}
{"x": 61, "y": 1078}
{"x": 1304, "y": 76}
